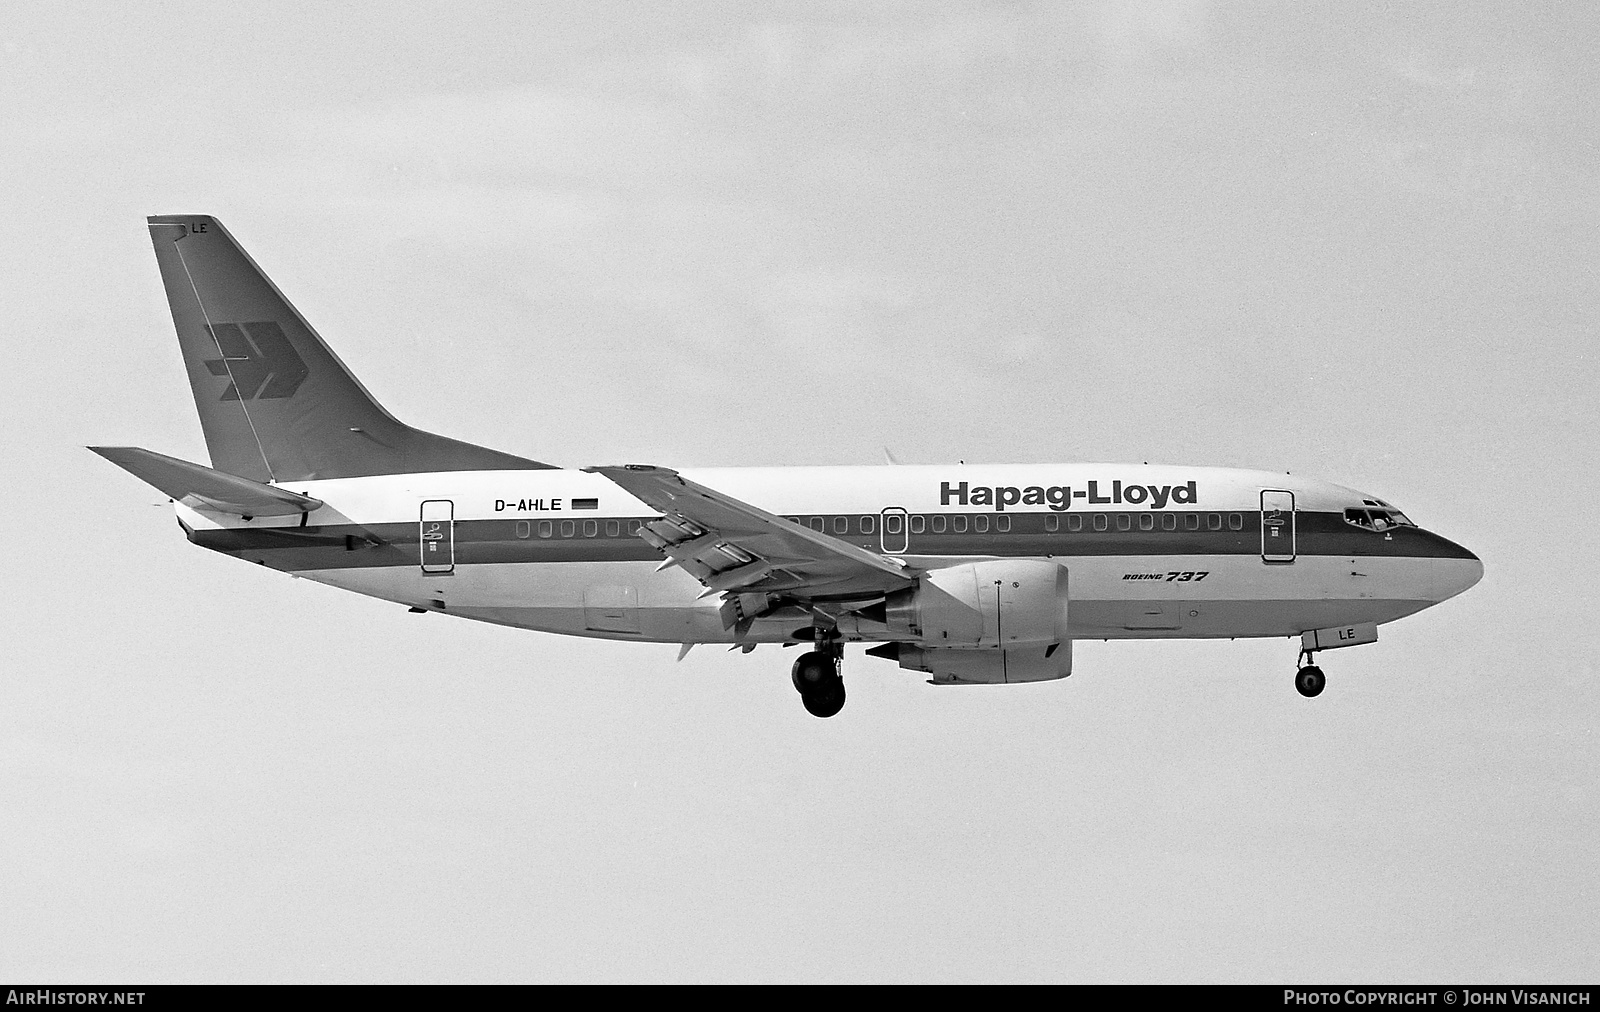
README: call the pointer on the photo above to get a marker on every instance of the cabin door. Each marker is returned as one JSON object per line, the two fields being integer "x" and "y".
{"x": 438, "y": 536}
{"x": 895, "y": 536}
{"x": 1277, "y": 526}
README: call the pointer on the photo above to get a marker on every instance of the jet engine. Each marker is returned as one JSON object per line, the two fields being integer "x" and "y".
{"x": 1004, "y": 620}
{"x": 999, "y": 603}
{"x": 978, "y": 666}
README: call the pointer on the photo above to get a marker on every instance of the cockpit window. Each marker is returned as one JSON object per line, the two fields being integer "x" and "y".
{"x": 1376, "y": 519}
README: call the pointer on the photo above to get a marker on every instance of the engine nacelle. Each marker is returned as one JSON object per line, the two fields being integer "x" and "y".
{"x": 977, "y": 666}
{"x": 999, "y": 603}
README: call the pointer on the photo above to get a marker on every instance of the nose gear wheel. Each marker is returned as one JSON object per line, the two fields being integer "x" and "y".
{"x": 1309, "y": 681}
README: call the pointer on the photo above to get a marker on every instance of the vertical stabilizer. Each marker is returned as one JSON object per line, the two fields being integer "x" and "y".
{"x": 275, "y": 402}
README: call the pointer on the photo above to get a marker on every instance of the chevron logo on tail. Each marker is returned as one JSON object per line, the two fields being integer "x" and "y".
{"x": 259, "y": 360}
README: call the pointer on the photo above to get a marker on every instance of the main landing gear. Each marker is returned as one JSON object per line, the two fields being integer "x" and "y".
{"x": 816, "y": 677}
{"x": 1309, "y": 680}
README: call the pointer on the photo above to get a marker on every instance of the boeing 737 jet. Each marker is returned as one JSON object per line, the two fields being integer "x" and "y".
{"x": 972, "y": 574}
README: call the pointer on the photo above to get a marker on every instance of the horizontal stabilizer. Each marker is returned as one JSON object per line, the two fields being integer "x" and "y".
{"x": 204, "y": 488}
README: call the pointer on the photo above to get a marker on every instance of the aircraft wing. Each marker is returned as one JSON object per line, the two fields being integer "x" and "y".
{"x": 206, "y": 488}
{"x": 737, "y": 549}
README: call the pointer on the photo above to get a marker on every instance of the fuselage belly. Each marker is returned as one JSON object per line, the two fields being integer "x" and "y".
{"x": 1236, "y": 599}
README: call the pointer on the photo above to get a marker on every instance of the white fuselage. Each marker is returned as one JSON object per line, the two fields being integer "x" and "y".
{"x": 1152, "y": 551}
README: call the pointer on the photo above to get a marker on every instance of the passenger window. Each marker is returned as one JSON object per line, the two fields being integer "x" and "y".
{"x": 958, "y": 523}
{"x": 1052, "y": 523}
{"x": 1235, "y": 521}
{"x": 1002, "y": 523}
{"x": 980, "y": 523}
{"x": 816, "y": 524}
{"x": 568, "y": 528}
{"x": 841, "y": 525}
{"x": 635, "y": 526}
{"x": 1169, "y": 521}
{"x": 1099, "y": 521}
{"x": 868, "y": 525}
{"x": 524, "y": 529}
{"x": 938, "y": 523}
{"x": 893, "y": 523}
{"x": 546, "y": 528}
{"x": 1214, "y": 521}
{"x": 590, "y": 528}
{"x": 1191, "y": 521}
{"x": 1124, "y": 522}
{"x": 919, "y": 523}
{"x": 1147, "y": 521}
{"x": 613, "y": 528}
{"x": 1074, "y": 523}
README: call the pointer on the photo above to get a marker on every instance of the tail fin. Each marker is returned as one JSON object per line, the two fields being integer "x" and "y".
{"x": 275, "y": 402}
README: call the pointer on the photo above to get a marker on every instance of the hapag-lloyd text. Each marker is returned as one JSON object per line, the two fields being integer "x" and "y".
{"x": 1059, "y": 497}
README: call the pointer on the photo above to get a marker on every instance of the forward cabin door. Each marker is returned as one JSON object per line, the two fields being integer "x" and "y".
{"x": 438, "y": 536}
{"x": 1277, "y": 526}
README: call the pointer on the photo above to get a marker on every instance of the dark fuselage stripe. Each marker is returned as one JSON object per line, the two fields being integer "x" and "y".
{"x": 498, "y": 541}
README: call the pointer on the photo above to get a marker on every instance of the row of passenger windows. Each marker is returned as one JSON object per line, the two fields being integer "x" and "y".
{"x": 569, "y": 528}
{"x": 957, "y": 523}
{"x": 937, "y": 523}
{"x": 1150, "y": 521}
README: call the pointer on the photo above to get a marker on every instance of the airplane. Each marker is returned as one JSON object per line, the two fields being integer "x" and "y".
{"x": 969, "y": 574}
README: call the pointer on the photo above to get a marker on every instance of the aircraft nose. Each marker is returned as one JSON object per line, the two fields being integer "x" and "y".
{"x": 1454, "y": 575}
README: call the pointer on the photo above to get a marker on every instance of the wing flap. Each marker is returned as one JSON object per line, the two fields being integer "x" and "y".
{"x": 743, "y": 551}
{"x": 206, "y": 488}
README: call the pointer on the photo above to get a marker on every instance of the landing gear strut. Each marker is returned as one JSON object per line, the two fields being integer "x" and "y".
{"x": 1309, "y": 680}
{"x": 816, "y": 677}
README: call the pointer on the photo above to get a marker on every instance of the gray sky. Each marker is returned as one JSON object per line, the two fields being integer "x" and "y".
{"x": 1359, "y": 242}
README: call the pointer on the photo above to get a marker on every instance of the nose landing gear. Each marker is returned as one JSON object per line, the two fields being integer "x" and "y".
{"x": 816, "y": 677}
{"x": 1309, "y": 680}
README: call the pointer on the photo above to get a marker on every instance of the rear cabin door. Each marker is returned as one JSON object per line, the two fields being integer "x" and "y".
{"x": 895, "y": 536}
{"x": 438, "y": 536}
{"x": 1277, "y": 526}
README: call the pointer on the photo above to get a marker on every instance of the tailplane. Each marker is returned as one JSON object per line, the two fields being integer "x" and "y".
{"x": 275, "y": 402}
{"x": 203, "y": 488}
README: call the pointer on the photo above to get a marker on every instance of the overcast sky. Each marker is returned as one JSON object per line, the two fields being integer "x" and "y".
{"x": 1353, "y": 241}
